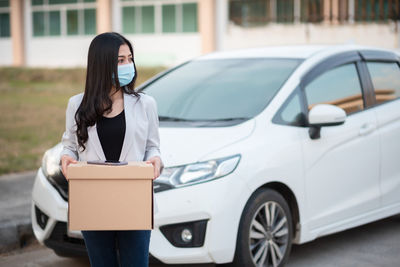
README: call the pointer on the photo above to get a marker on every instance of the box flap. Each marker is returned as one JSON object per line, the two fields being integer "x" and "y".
{"x": 133, "y": 170}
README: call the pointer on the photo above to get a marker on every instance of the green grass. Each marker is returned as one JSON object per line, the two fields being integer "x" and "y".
{"x": 32, "y": 111}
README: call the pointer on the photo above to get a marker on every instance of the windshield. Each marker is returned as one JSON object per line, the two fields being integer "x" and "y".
{"x": 219, "y": 90}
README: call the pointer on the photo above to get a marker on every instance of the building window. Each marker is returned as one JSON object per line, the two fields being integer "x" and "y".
{"x": 55, "y": 26}
{"x": 159, "y": 16}
{"x": 249, "y": 13}
{"x": 38, "y": 23}
{"x": 312, "y": 11}
{"x": 63, "y": 17}
{"x": 189, "y": 13}
{"x": 285, "y": 11}
{"x": 169, "y": 18}
{"x": 374, "y": 11}
{"x": 4, "y": 18}
{"x": 147, "y": 19}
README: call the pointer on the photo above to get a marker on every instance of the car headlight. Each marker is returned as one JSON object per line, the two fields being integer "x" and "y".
{"x": 198, "y": 172}
{"x": 50, "y": 164}
{"x": 52, "y": 171}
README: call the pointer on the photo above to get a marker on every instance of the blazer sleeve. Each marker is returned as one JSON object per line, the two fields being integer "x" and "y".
{"x": 153, "y": 137}
{"x": 68, "y": 140}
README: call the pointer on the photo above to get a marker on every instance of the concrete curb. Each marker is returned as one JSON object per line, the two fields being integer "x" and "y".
{"x": 15, "y": 235}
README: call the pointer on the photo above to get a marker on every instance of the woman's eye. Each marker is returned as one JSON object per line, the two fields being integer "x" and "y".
{"x": 130, "y": 59}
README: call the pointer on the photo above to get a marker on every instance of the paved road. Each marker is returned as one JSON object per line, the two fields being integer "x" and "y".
{"x": 15, "y": 203}
{"x": 15, "y": 196}
{"x": 375, "y": 244}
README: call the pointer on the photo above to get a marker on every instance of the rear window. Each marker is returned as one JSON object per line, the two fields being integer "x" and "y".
{"x": 386, "y": 80}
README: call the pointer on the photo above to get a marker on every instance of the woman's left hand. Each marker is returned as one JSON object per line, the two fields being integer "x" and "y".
{"x": 156, "y": 162}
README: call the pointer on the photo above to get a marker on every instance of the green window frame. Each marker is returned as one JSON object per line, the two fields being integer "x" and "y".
{"x": 4, "y": 3}
{"x": 72, "y": 22}
{"x": 189, "y": 17}
{"x": 5, "y": 25}
{"x": 169, "y": 18}
{"x": 129, "y": 19}
{"x": 89, "y": 17}
{"x": 38, "y": 22}
{"x": 249, "y": 13}
{"x": 285, "y": 11}
{"x": 63, "y": 17}
{"x": 375, "y": 11}
{"x": 147, "y": 17}
{"x": 311, "y": 11}
{"x": 54, "y": 23}
{"x": 37, "y": 2}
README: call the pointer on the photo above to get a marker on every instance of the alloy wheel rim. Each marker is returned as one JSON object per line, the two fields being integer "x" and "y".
{"x": 268, "y": 235}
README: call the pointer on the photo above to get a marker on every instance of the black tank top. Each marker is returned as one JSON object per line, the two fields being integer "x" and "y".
{"x": 111, "y": 132}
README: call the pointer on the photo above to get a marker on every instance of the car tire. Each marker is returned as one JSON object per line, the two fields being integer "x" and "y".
{"x": 264, "y": 239}
{"x": 65, "y": 254}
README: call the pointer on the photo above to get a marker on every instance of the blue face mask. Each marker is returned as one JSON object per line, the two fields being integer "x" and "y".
{"x": 126, "y": 73}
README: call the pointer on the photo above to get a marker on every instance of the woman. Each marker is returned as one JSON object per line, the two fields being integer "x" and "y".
{"x": 110, "y": 121}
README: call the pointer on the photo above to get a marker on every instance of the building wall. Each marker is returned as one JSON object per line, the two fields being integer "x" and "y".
{"x": 6, "y": 55}
{"x": 217, "y": 25}
{"x": 167, "y": 50}
{"x": 382, "y": 35}
{"x": 65, "y": 50}
{"x": 152, "y": 50}
{"x": 57, "y": 52}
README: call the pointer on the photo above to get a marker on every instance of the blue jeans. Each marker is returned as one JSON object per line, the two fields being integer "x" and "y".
{"x": 118, "y": 248}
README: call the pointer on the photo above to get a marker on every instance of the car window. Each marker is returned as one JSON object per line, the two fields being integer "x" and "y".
{"x": 339, "y": 86}
{"x": 220, "y": 89}
{"x": 385, "y": 79}
{"x": 291, "y": 113}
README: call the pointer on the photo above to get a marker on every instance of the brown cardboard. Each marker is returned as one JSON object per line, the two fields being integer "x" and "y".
{"x": 103, "y": 197}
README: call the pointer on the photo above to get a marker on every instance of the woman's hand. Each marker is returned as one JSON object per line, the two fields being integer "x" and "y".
{"x": 156, "y": 162}
{"x": 65, "y": 161}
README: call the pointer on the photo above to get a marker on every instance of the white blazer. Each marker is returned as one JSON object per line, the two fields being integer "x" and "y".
{"x": 141, "y": 141}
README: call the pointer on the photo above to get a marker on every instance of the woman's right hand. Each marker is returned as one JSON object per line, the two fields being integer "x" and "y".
{"x": 65, "y": 161}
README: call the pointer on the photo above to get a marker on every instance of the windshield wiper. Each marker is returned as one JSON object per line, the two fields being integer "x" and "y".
{"x": 232, "y": 119}
{"x": 166, "y": 118}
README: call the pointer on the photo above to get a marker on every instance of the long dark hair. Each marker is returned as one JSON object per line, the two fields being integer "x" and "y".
{"x": 102, "y": 64}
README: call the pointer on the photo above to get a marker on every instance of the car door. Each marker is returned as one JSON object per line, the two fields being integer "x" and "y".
{"x": 384, "y": 70}
{"x": 342, "y": 166}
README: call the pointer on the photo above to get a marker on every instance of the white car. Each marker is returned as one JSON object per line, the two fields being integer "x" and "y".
{"x": 263, "y": 148}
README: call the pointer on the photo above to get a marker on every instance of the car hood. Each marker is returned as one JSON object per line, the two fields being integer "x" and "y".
{"x": 186, "y": 145}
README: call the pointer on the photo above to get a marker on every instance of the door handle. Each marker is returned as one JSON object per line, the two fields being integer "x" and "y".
{"x": 367, "y": 128}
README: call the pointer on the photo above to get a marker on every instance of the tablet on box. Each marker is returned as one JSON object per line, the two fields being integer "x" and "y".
{"x": 110, "y": 196}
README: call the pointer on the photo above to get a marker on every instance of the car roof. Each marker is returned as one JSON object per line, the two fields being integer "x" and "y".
{"x": 287, "y": 51}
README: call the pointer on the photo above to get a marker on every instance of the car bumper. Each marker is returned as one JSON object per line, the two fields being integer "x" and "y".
{"x": 211, "y": 201}
{"x": 220, "y": 202}
{"x": 51, "y": 231}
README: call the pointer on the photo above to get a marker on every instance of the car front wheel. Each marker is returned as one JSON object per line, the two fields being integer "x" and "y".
{"x": 265, "y": 231}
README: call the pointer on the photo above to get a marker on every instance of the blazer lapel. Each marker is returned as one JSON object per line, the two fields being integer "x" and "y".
{"x": 129, "y": 121}
{"x": 95, "y": 141}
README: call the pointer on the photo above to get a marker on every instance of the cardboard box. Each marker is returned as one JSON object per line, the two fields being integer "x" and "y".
{"x": 105, "y": 197}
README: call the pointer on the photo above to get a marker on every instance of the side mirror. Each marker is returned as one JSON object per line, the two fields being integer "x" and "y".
{"x": 324, "y": 115}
